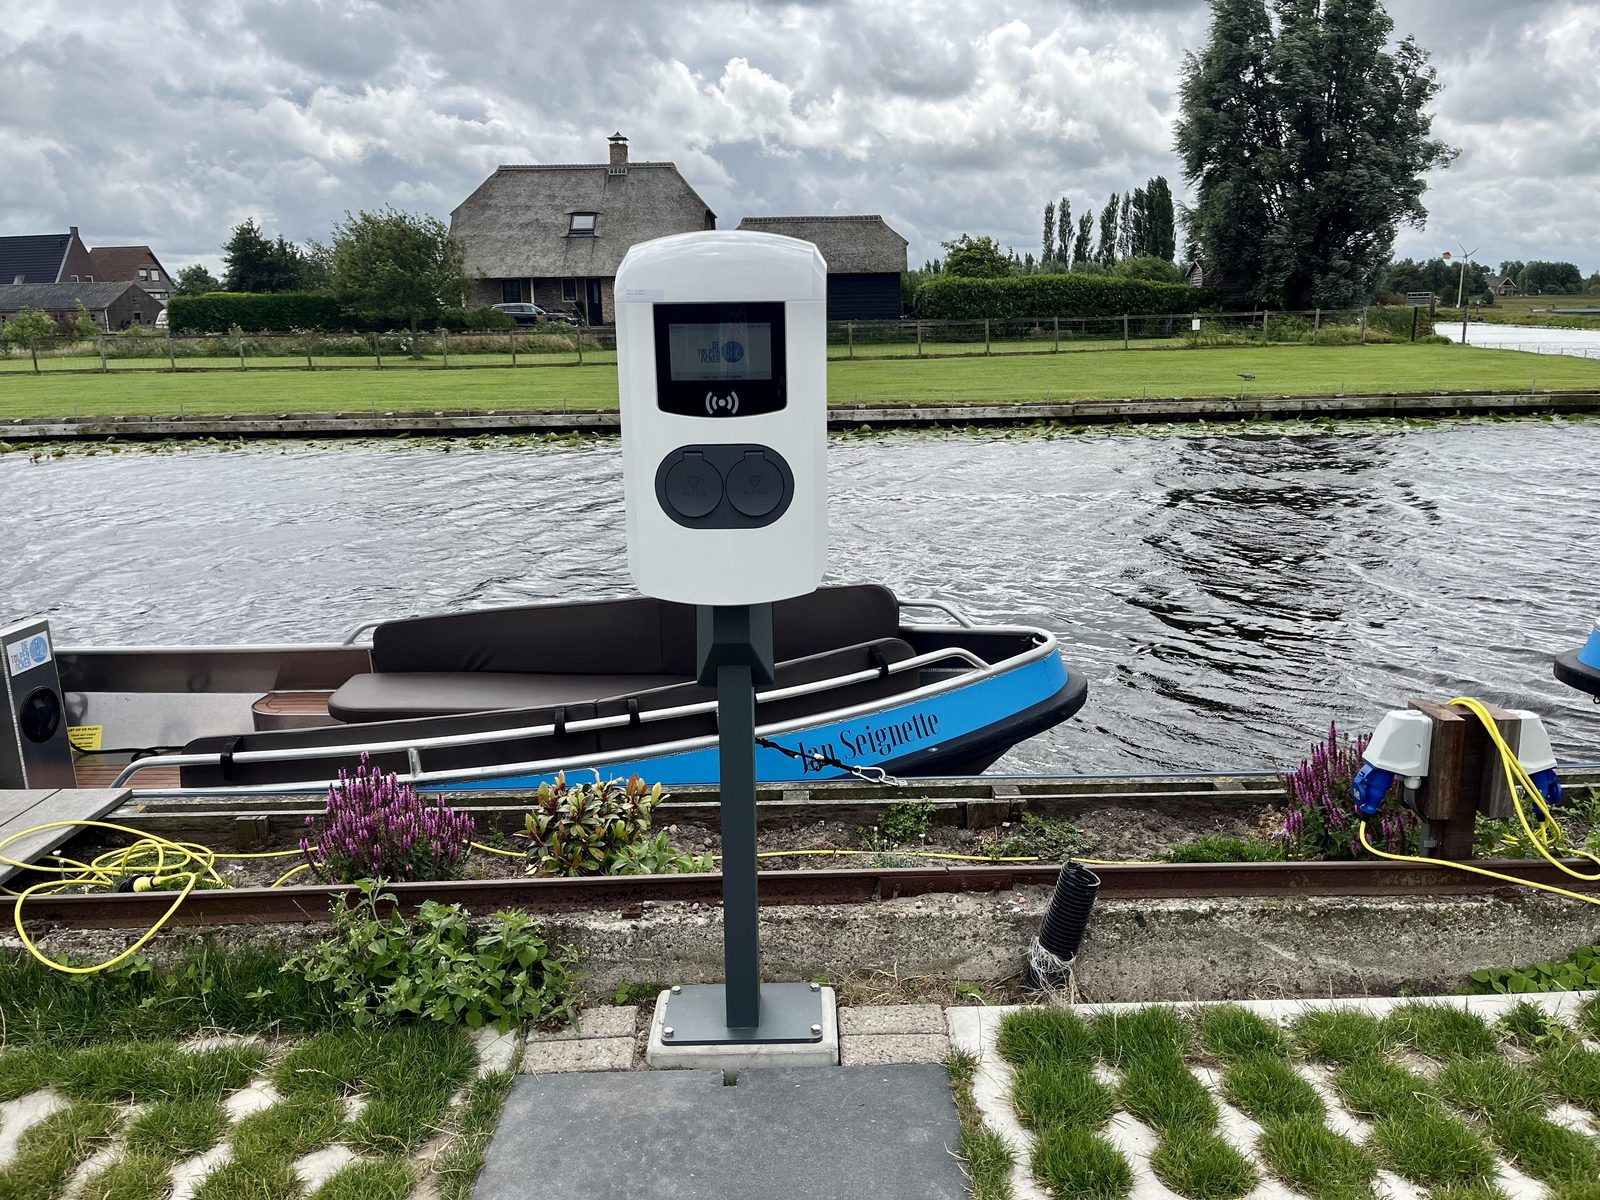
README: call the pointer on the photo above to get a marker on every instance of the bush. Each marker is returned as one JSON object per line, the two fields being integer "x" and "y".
{"x": 952, "y": 298}
{"x": 1396, "y": 321}
{"x": 600, "y": 829}
{"x": 384, "y": 964}
{"x": 1321, "y": 820}
{"x": 1434, "y": 339}
{"x": 377, "y": 827}
{"x": 218, "y": 312}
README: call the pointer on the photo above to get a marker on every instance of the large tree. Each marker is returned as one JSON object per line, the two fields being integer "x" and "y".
{"x": 1555, "y": 278}
{"x": 1306, "y": 139}
{"x": 257, "y": 264}
{"x": 1106, "y": 252}
{"x": 976, "y": 258}
{"x": 1049, "y": 248}
{"x": 1064, "y": 233}
{"x": 395, "y": 266}
{"x": 1081, "y": 242}
{"x": 194, "y": 280}
{"x": 1161, "y": 224}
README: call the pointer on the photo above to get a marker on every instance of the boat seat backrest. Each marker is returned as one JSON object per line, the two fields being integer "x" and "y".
{"x": 620, "y": 637}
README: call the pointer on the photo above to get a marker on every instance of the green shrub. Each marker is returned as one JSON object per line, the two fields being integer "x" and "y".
{"x": 600, "y": 829}
{"x": 218, "y": 312}
{"x": 382, "y": 963}
{"x": 907, "y": 821}
{"x": 1220, "y": 848}
{"x": 954, "y": 298}
{"x": 1433, "y": 339}
{"x": 1579, "y": 971}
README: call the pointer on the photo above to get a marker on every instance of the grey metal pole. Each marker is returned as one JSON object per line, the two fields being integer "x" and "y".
{"x": 736, "y": 751}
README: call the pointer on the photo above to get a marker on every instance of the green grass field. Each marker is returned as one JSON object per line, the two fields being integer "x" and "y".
{"x": 1277, "y": 370}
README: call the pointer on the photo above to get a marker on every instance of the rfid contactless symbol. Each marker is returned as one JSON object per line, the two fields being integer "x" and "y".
{"x": 722, "y": 404}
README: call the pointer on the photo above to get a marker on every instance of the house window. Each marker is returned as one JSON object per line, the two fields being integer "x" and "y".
{"x": 142, "y": 273}
{"x": 514, "y": 291}
{"x": 138, "y": 317}
{"x": 155, "y": 275}
{"x": 569, "y": 290}
{"x": 581, "y": 224}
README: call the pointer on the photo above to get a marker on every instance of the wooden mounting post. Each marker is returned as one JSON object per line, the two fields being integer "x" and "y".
{"x": 1464, "y": 778}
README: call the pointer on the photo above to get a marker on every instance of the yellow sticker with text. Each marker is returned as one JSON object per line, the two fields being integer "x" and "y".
{"x": 85, "y": 737}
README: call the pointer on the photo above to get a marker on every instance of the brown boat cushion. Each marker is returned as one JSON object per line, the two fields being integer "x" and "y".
{"x": 620, "y": 637}
{"x": 396, "y": 695}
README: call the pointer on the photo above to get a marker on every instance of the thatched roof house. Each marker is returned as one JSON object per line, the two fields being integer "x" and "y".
{"x": 555, "y": 234}
{"x": 865, "y": 257}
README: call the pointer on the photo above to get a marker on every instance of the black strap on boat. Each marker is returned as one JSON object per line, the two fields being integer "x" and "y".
{"x": 633, "y": 711}
{"x": 225, "y": 756}
{"x": 865, "y": 774}
{"x": 875, "y": 653}
{"x": 561, "y": 721}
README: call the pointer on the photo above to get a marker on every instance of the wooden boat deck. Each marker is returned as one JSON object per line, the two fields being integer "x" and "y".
{"x": 105, "y": 775}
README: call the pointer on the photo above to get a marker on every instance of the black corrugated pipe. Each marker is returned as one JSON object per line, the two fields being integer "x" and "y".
{"x": 1051, "y": 956}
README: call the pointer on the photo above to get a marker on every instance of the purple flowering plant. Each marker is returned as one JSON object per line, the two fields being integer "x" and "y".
{"x": 1320, "y": 820}
{"x": 379, "y": 828}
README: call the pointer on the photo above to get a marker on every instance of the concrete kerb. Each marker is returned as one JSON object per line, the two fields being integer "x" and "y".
{"x": 602, "y": 1040}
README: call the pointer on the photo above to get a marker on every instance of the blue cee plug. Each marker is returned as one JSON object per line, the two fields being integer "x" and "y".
{"x": 1370, "y": 786}
{"x": 1549, "y": 785}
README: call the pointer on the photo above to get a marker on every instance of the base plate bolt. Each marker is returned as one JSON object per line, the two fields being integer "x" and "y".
{"x": 817, "y": 1029}
{"x": 667, "y": 1031}
{"x": 676, "y": 988}
{"x": 816, "y": 987}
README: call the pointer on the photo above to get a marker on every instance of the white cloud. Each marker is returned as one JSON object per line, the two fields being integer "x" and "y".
{"x": 946, "y": 117}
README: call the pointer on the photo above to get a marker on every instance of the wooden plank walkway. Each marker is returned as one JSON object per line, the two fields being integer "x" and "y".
{"x": 23, "y": 810}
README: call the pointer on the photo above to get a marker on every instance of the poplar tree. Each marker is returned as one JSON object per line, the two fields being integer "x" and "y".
{"x": 1064, "y": 232}
{"x": 1306, "y": 141}
{"x": 1080, "y": 244}
{"x": 1125, "y": 227}
{"x": 1049, "y": 251}
{"x": 1161, "y": 224}
{"x": 1107, "y": 252}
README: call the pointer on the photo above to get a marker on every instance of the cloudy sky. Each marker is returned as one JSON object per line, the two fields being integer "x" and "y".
{"x": 170, "y": 121}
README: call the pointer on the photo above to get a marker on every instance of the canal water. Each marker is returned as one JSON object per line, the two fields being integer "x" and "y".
{"x": 1578, "y": 343}
{"x": 1227, "y": 596}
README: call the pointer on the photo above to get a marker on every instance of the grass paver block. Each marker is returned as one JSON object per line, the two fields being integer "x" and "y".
{"x": 134, "y": 1176}
{"x": 125, "y": 1071}
{"x": 26, "y": 1069}
{"x": 1442, "y": 1031}
{"x": 1075, "y": 1164}
{"x": 1573, "y": 1073}
{"x": 1379, "y": 1088}
{"x": 1202, "y": 1165}
{"x": 1432, "y": 1149}
{"x": 1318, "y": 1162}
{"x": 173, "y": 1130}
{"x": 1045, "y": 1035}
{"x": 1165, "y": 1095}
{"x": 1491, "y": 1088}
{"x": 290, "y": 1128}
{"x": 1229, "y": 1031}
{"x": 1047, "y": 1096}
{"x": 1531, "y": 1027}
{"x": 387, "y": 1179}
{"x": 1268, "y": 1088}
{"x": 1547, "y": 1151}
{"x": 1122, "y": 1038}
{"x": 250, "y": 1179}
{"x": 1339, "y": 1035}
{"x": 48, "y": 1152}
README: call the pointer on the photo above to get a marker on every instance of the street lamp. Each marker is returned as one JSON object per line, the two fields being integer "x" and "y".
{"x": 1461, "y": 287}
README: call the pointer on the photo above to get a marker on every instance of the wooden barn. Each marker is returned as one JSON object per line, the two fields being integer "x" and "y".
{"x": 866, "y": 260}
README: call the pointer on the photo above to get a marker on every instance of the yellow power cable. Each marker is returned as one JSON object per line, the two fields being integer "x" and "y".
{"x": 1361, "y": 831}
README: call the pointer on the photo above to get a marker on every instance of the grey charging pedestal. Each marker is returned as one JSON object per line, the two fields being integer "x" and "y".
{"x": 741, "y": 1021}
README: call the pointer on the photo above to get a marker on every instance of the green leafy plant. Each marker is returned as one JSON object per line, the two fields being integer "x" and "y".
{"x": 1580, "y": 970}
{"x": 599, "y": 828}
{"x": 1054, "y": 839}
{"x": 907, "y": 821}
{"x": 383, "y": 964}
{"x": 1221, "y": 848}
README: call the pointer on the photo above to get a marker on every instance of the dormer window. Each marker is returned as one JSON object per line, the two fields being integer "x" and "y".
{"x": 581, "y": 224}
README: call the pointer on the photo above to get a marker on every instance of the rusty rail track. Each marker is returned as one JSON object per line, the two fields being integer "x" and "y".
{"x": 629, "y": 894}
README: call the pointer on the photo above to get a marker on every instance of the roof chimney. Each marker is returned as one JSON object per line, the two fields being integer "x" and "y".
{"x": 73, "y": 229}
{"x": 619, "y": 151}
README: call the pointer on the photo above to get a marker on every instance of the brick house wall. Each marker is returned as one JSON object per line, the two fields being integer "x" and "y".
{"x": 78, "y": 262}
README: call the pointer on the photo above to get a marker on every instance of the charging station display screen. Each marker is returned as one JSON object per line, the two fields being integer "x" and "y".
{"x": 720, "y": 360}
{"x": 731, "y": 351}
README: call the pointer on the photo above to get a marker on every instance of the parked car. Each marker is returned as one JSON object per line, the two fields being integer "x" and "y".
{"x": 532, "y": 314}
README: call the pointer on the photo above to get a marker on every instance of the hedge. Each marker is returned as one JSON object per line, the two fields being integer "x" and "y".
{"x": 954, "y": 298}
{"x": 256, "y": 312}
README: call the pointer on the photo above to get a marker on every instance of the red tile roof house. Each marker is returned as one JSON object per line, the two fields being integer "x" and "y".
{"x": 555, "y": 234}
{"x": 132, "y": 264}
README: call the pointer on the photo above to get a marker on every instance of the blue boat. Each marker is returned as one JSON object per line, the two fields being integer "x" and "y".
{"x": 866, "y": 685}
{"x": 1581, "y": 668}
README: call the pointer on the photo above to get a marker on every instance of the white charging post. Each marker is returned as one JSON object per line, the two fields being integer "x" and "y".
{"x": 722, "y": 369}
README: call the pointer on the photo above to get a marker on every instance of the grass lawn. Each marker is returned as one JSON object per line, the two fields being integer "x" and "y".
{"x": 1112, "y": 374}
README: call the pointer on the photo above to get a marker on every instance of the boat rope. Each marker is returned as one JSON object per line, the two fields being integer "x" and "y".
{"x": 866, "y": 774}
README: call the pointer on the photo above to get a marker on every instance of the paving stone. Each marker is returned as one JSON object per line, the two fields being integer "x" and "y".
{"x": 187, "y": 1175}
{"x": 259, "y": 1095}
{"x": 799, "y": 1133}
{"x": 594, "y": 1023}
{"x": 894, "y": 1048}
{"x": 317, "y": 1167}
{"x": 496, "y": 1050}
{"x": 590, "y": 1054}
{"x": 891, "y": 1018}
{"x": 16, "y": 1116}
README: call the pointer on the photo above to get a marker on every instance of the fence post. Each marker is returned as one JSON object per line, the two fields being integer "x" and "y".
{"x": 919, "y": 339}
{"x": 513, "y": 347}
{"x": 1414, "y": 311}
{"x": 33, "y": 350}
{"x": 377, "y": 353}
{"x": 1056, "y": 322}
{"x": 444, "y": 347}
{"x": 1124, "y": 331}
{"x": 100, "y": 344}
{"x": 850, "y": 339}
{"x": 309, "y": 367}
{"x": 172, "y": 354}
{"x": 578, "y": 337}
{"x": 241, "y": 350}
{"x": 1363, "y": 327}
{"x": 1264, "y": 313}
{"x": 1316, "y": 323}
{"x": 986, "y": 349}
